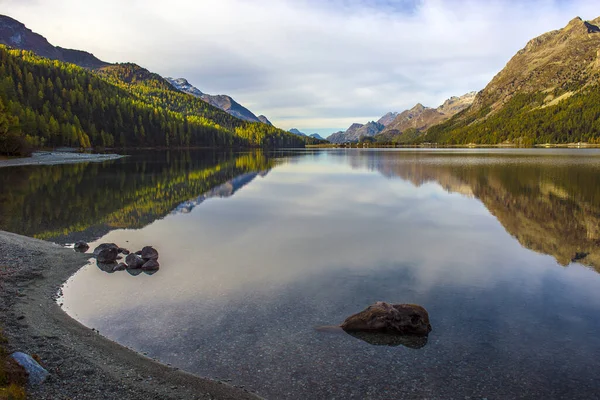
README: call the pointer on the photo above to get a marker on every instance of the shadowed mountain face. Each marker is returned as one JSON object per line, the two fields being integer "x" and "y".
{"x": 15, "y": 34}
{"x": 548, "y": 207}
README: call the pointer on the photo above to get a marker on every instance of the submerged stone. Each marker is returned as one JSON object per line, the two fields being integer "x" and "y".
{"x": 134, "y": 272}
{"x": 390, "y": 339}
{"x": 404, "y": 319}
{"x": 120, "y": 267}
{"x": 107, "y": 267}
{"x": 151, "y": 265}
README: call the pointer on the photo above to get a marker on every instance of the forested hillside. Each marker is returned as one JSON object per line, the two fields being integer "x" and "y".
{"x": 51, "y": 103}
{"x": 525, "y": 121}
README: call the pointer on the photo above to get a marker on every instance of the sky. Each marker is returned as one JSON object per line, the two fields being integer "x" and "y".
{"x": 315, "y": 65}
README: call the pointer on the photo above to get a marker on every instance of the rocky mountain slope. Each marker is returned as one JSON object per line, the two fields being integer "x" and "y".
{"x": 388, "y": 118}
{"x": 356, "y": 131}
{"x": 222, "y": 101}
{"x": 393, "y": 125}
{"x": 411, "y": 123}
{"x": 14, "y": 34}
{"x": 547, "y": 93}
{"x": 264, "y": 120}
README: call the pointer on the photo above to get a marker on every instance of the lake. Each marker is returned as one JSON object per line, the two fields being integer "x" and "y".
{"x": 258, "y": 249}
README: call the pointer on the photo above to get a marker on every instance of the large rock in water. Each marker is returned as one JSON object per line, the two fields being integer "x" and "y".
{"x": 149, "y": 253}
{"x": 404, "y": 319}
{"x": 37, "y": 373}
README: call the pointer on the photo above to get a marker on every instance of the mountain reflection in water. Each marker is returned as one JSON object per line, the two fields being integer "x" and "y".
{"x": 66, "y": 203}
{"x": 550, "y": 202}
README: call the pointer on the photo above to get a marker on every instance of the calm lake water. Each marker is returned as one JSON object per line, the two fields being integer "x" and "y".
{"x": 256, "y": 250}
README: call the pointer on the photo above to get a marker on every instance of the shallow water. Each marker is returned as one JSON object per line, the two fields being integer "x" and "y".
{"x": 256, "y": 250}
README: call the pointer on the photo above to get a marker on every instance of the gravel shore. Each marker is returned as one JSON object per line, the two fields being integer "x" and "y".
{"x": 54, "y": 158}
{"x": 83, "y": 364}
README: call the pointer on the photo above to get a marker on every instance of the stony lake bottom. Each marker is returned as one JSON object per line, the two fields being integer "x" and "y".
{"x": 258, "y": 249}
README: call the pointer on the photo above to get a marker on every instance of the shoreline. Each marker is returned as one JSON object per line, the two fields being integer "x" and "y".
{"x": 82, "y": 363}
{"x": 57, "y": 157}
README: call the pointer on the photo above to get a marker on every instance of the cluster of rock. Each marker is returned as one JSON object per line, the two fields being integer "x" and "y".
{"x": 108, "y": 256}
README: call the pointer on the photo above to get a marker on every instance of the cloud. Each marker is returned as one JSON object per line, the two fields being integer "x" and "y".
{"x": 307, "y": 63}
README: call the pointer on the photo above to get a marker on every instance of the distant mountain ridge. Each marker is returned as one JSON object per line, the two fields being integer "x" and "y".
{"x": 222, "y": 101}
{"x": 297, "y": 132}
{"x": 412, "y": 123}
{"x": 356, "y": 131}
{"x": 15, "y": 34}
{"x": 416, "y": 120}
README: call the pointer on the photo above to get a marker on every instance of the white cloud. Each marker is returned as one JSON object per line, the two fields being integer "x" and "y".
{"x": 306, "y": 63}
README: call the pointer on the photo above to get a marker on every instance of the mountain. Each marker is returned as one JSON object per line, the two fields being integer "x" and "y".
{"x": 14, "y": 34}
{"x": 317, "y": 136}
{"x": 297, "y": 132}
{"x": 264, "y": 120}
{"x": 48, "y": 102}
{"x": 121, "y": 105}
{"x": 337, "y": 137}
{"x": 547, "y": 93}
{"x": 224, "y": 102}
{"x": 356, "y": 131}
{"x": 410, "y": 124}
{"x": 388, "y": 118}
{"x": 183, "y": 85}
